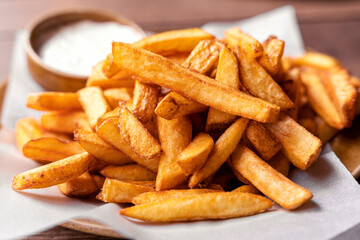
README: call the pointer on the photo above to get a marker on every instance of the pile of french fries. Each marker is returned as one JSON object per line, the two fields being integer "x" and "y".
{"x": 189, "y": 127}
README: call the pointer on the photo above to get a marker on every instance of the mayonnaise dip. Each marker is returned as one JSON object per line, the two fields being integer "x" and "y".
{"x": 77, "y": 47}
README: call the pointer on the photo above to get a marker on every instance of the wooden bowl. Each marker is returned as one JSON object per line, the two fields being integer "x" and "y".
{"x": 41, "y": 29}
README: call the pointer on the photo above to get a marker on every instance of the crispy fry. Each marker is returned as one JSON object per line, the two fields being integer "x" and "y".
{"x": 222, "y": 149}
{"x": 113, "y": 113}
{"x": 26, "y": 129}
{"x": 145, "y": 101}
{"x": 170, "y": 42}
{"x": 54, "y": 173}
{"x": 316, "y": 59}
{"x": 116, "y": 95}
{"x": 271, "y": 58}
{"x": 323, "y": 130}
{"x": 110, "y": 132}
{"x": 50, "y": 149}
{"x": 227, "y": 73}
{"x": 222, "y": 205}
{"x": 82, "y": 186}
{"x": 152, "y": 197}
{"x": 235, "y": 37}
{"x": 269, "y": 181}
{"x": 259, "y": 83}
{"x": 238, "y": 175}
{"x": 116, "y": 191}
{"x": 53, "y": 101}
{"x": 111, "y": 70}
{"x": 132, "y": 172}
{"x": 195, "y": 154}
{"x": 247, "y": 189}
{"x": 99, "y": 180}
{"x": 94, "y": 103}
{"x": 137, "y": 136}
{"x": 175, "y": 135}
{"x": 63, "y": 122}
{"x": 100, "y": 149}
{"x": 190, "y": 84}
{"x": 263, "y": 142}
{"x": 280, "y": 163}
{"x": 299, "y": 146}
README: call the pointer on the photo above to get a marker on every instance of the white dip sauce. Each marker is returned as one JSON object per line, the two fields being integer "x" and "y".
{"x": 76, "y": 48}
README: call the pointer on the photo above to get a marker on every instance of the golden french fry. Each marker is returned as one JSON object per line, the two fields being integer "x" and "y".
{"x": 235, "y": 37}
{"x": 145, "y": 101}
{"x": 97, "y": 78}
{"x": 116, "y": 95}
{"x": 116, "y": 191}
{"x": 151, "y": 197}
{"x": 319, "y": 98}
{"x": 100, "y": 149}
{"x": 63, "y": 122}
{"x": 94, "y": 103}
{"x": 269, "y": 181}
{"x": 323, "y": 130}
{"x": 111, "y": 70}
{"x": 238, "y": 175}
{"x": 227, "y": 73}
{"x": 132, "y": 172}
{"x": 109, "y": 131}
{"x": 54, "y": 173}
{"x": 263, "y": 142}
{"x": 50, "y": 149}
{"x": 280, "y": 163}
{"x": 222, "y": 149}
{"x": 178, "y": 58}
{"x": 299, "y": 146}
{"x": 316, "y": 59}
{"x": 222, "y": 205}
{"x": 247, "y": 189}
{"x": 176, "y": 41}
{"x": 195, "y": 154}
{"x": 26, "y": 129}
{"x": 137, "y": 136}
{"x": 99, "y": 180}
{"x": 292, "y": 86}
{"x": 53, "y": 101}
{"x": 190, "y": 84}
{"x": 271, "y": 57}
{"x": 175, "y": 135}
{"x": 259, "y": 83}
{"x": 113, "y": 113}
{"x": 82, "y": 186}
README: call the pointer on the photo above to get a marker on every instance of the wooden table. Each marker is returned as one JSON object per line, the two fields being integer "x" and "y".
{"x": 328, "y": 26}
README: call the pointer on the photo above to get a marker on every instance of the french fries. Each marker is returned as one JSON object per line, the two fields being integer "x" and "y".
{"x": 270, "y": 182}
{"x": 63, "y": 122}
{"x": 27, "y": 129}
{"x": 53, "y": 101}
{"x": 235, "y": 37}
{"x": 316, "y": 59}
{"x": 80, "y": 187}
{"x": 131, "y": 172}
{"x": 247, "y": 189}
{"x": 145, "y": 101}
{"x": 271, "y": 58}
{"x": 116, "y": 95}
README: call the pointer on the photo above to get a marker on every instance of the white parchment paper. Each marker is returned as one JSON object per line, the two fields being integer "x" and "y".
{"x": 334, "y": 211}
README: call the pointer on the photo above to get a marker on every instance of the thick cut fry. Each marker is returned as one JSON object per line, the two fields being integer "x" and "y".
{"x": 132, "y": 172}
{"x": 269, "y": 181}
{"x": 178, "y": 58}
{"x": 342, "y": 93}
{"x": 158, "y": 70}
{"x": 323, "y": 130}
{"x": 173, "y": 41}
{"x": 319, "y": 98}
{"x": 195, "y": 154}
{"x": 292, "y": 86}
{"x": 64, "y": 122}
{"x": 235, "y": 37}
{"x": 94, "y": 103}
{"x": 97, "y": 78}
{"x": 271, "y": 58}
{"x": 238, "y": 175}
{"x": 175, "y": 135}
{"x": 222, "y": 205}
{"x": 54, "y": 173}
{"x": 227, "y": 73}
{"x": 116, "y": 95}
{"x": 111, "y": 70}
{"x": 50, "y": 149}
{"x": 299, "y": 146}
{"x": 247, "y": 189}
{"x": 53, "y": 101}
{"x": 114, "y": 113}
{"x": 259, "y": 83}
{"x": 26, "y": 129}
{"x": 110, "y": 132}
{"x": 222, "y": 149}
{"x": 116, "y": 191}
{"x": 280, "y": 163}
{"x": 173, "y": 105}
{"x": 152, "y": 197}
{"x": 99, "y": 180}
{"x": 145, "y": 101}
{"x": 263, "y": 142}
{"x": 316, "y": 59}
{"x": 82, "y": 186}
{"x": 100, "y": 149}
{"x": 137, "y": 136}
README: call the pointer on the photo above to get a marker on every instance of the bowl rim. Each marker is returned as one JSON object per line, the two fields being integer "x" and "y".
{"x": 51, "y": 14}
